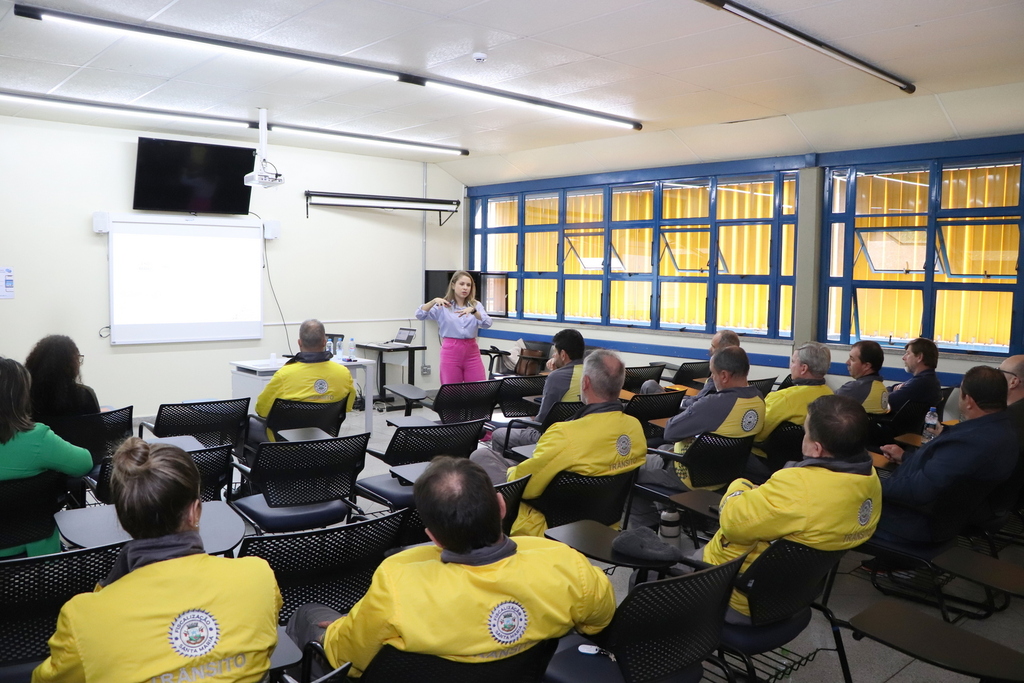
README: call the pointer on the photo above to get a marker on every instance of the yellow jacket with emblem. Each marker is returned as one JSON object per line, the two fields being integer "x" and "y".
{"x": 789, "y": 405}
{"x": 189, "y": 618}
{"x": 869, "y": 391}
{"x": 307, "y": 379}
{"x": 601, "y": 441}
{"x": 822, "y": 503}
{"x": 467, "y": 613}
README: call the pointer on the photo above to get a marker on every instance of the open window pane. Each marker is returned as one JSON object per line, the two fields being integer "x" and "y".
{"x": 986, "y": 253}
{"x": 541, "y": 209}
{"x": 893, "y": 253}
{"x": 630, "y": 302}
{"x": 541, "y": 252}
{"x": 539, "y": 298}
{"x": 788, "y": 250}
{"x": 743, "y": 308}
{"x": 632, "y": 249}
{"x": 740, "y": 198}
{"x": 888, "y": 315}
{"x": 898, "y": 192}
{"x": 583, "y": 300}
{"x": 745, "y": 249}
{"x": 973, "y": 321}
{"x": 501, "y": 252}
{"x": 584, "y": 206}
{"x": 685, "y": 199}
{"x": 786, "y": 311}
{"x": 502, "y": 212}
{"x": 684, "y": 304}
{"x": 685, "y": 253}
{"x": 976, "y": 187}
{"x": 584, "y": 252}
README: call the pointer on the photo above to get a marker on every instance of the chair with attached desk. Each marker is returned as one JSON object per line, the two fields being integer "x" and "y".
{"x": 286, "y": 415}
{"x": 783, "y": 445}
{"x": 27, "y": 507}
{"x": 559, "y": 412}
{"x": 765, "y": 385}
{"x": 213, "y": 423}
{"x": 214, "y": 465}
{"x": 909, "y": 419}
{"x": 571, "y": 497}
{"x": 647, "y": 407}
{"x": 636, "y": 376}
{"x": 688, "y": 373}
{"x": 460, "y": 402}
{"x": 513, "y": 395}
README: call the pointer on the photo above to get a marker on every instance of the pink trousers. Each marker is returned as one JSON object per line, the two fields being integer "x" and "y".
{"x": 460, "y": 361}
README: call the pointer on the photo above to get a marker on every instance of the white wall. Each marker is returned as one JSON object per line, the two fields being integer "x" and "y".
{"x": 358, "y": 270}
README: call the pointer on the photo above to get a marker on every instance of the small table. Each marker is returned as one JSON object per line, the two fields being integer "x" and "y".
{"x": 594, "y": 540}
{"x": 286, "y": 655}
{"x": 408, "y": 474}
{"x": 186, "y": 443}
{"x": 381, "y": 349}
{"x": 220, "y": 528}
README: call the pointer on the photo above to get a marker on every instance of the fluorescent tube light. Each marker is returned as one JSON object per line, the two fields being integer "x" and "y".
{"x": 369, "y": 139}
{"x": 368, "y": 201}
{"x": 123, "y": 111}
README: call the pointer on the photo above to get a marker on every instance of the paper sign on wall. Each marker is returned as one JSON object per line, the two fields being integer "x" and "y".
{"x": 7, "y": 277}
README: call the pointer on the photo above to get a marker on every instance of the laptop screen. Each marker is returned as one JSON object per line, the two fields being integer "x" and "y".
{"x": 405, "y": 335}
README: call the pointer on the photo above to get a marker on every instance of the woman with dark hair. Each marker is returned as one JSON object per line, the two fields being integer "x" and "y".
{"x": 28, "y": 448}
{"x": 166, "y": 607}
{"x": 57, "y": 391}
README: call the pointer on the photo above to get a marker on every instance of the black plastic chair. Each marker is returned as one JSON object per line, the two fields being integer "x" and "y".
{"x": 786, "y": 382}
{"x": 214, "y": 465}
{"x": 945, "y": 392}
{"x": 331, "y": 566}
{"x": 513, "y": 392}
{"x": 571, "y": 497}
{"x": 636, "y": 376}
{"x": 712, "y": 460}
{"x": 662, "y": 631}
{"x": 459, "y": 402}
{"x": 688, "y": 372}
{"x": 783, "y": 445}
{"x": 285, "y": 414}
{"x": 213, "y": 423}
{"x": 559, "y": 412}
{"x": 98, "y": 433}
{"x": 909, "y": 419}
{"x": 27, "y": 507}
{"x": 304, "y": 484}
{"x": 647, "y": 407}
{"x": 32, "y": 592}
{"x": 763, "y": 385}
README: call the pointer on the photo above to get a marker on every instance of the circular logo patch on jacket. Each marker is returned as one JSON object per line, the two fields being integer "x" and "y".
{"x": 623, "y": 445}
{"x": 507, "y": 622}
{"x": 320, "y": 386}
{"x": 885, "y": 400}
{"x": 194, "y": 633}
{"x": 864, "y": 515}
{"x": 749, "y": 420}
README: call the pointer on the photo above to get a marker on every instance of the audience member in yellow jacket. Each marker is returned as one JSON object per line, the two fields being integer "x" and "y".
{"x": 830, "y": 500}
{"x": 167, "y": 612}
{"x": 601, "y": 440}
{"x": 867, "y": 389}
{"x": 807, "y": 366}
{"x": 474, "y": 596}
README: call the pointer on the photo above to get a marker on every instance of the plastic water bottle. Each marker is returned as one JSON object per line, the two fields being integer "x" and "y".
{"x": 931, "y": 425}
{"x": 350, "y": 348}
{"x": 330, "y": 347}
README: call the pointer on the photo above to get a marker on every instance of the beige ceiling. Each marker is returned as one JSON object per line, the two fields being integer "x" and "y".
{"x": 706, "y": 84}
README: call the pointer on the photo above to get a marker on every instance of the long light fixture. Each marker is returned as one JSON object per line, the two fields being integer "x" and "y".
{"x": 505, "y": 97}
{"x": 96, "y": 107}
{"x": 809, "y": 41}
{"x": 374, "y": 201}
{"x": 369, "y": 139}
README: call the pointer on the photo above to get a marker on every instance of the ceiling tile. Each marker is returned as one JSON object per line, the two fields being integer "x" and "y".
{"x": 756, "y": 68}
{"x": 902, "y": 121}
{"x": 625, "y": 92}
{"x": 821, "y": 90}
{"x": 233, "y": 19}
{"x": 567, "y": 78}
{"x": 131, "y": 11}
{"x": 100, "y": 85}
{"x": 482, "y": 170}
{"x": 693, "y": 109}
{"x": 730, "y": 43}
{"x": 639, "y": 150}
{"x": 989, "y": 63}
{"x": 31, "y": 76}
{"x": 437, "y": 130}
{"x": 439, "y": 42}
{"x": 449, "y": 107}
{"x": 153, "y": 57}
{"x": 388, "y": 95}
{"x": 187, "y": 97}
{"x": 530, "y": 17}
{"x": 53, "y": 42}
{"x": 379, "y": 123}
{"x": 321, "y": 82}
{"x": 317, "y": 115}
{"x": 243, "y": 105}
{"x": 553, "y": 161}
{"x": 745, "y": 140}
{"x": 499, "y": 117}
{"x": 507, "y": 61}
{"x": 981, "y": 112}
{"x": 240, "y": 71}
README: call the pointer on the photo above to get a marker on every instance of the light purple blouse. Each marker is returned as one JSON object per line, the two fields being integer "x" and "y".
{"x": 451, "y": 325}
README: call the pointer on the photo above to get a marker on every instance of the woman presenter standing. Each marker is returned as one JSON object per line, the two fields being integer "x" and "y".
{"x": 459, "y": 315}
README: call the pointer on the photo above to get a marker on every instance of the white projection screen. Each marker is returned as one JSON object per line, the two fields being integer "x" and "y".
{"x": 184, "y": 279}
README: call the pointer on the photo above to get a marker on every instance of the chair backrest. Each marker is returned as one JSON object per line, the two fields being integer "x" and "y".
{"x": 636, "y": 376}
{"x": 688, "y": 372}
{"x": 514, "y": 389}
{"x": 391, "y": 665}
{"x": 786, "y": 383}
{"x": 420, "y": 444}
{"x": 763, "y": 385}
{"x": 560, "y": 412}
{"x": 784, "y": 444}
{"x": 946, "y": 392}
{"x": 571, "y": 497}
{"x": 214, "y": 465}
{"x": 955, "y": 506}
{"x": 212, "y": 423}
{"x": 331, "y": 566}
{"x": 909, "y": 419}
{"x": 285, "y": 414}
{"x": 647, "y": 407}
{"x": 716, "y": 460}
{"x": 98, "y": 433}
{"x": 466, "y": 400}
{"x": 27, "y": 507}
{"x": 785, "y": 579}
{"x": 512, "y": 492}
{"x": 33, "y": 590}
{"x": 308, "y": 472}
{"x": 663, "y": 627}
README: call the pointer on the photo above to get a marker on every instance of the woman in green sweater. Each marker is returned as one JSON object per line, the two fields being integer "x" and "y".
{"x": 28, "y": 449}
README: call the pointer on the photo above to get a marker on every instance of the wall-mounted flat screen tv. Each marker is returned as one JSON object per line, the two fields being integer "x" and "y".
{"x": 192, "y": 177}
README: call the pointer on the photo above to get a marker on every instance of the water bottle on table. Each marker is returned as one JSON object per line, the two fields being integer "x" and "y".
{"x": 931, "y": 425}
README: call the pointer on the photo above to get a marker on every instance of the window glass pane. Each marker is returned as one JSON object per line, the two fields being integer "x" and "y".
{"x": 837, "y": 250}
{"x": 513, "y": 290}
{"x": 892, "y": 254}
{"x": 501, "y": 252}
{"x": 788, "y": 194}
{"x": 541, "y": 252}
{"x": 899, "y": 192}
{"x": 973, "y": 321}
{"x": 685, "y": 253}
{"x": 584, "y": 252}
{"x": 496, "y": 297}
{"x": 584, "y": 206}
{"x": 683, "y": 304}
{"x": 788, "y": 251}
{"x": 541, "y": 209}
{"x": 745, "y": 198}
{"x": 631, "y": 250}
{"x": 477, "y": 256}
{"x": 583, "y": 300}
{"x": 478, "y": 214}
{"x": 743, "y": 308}
{"x": 630, "y": 302}
{"x": 744, "y": 249}
{"x": 978, "y": 252}
{"x": 685, "y": 198}
{"x": 786, "y": 311}
{"x": 502, "y": 212}
{"x": 539, "y": 298}
{"x": 980, "y": 186}
{"x": 888, "y": 315}
{"x": 839, "y": 190}
{"x": 835, "y": 313}
{"x": 635, "y": 203}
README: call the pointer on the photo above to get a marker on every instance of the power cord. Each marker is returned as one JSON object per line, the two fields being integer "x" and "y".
{"x": 266, "y": 264}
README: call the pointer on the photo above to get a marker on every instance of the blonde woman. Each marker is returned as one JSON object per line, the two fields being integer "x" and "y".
{"x": 459, "y": 316}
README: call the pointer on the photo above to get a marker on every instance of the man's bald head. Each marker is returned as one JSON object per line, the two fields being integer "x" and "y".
{"x": 312, "y": 336}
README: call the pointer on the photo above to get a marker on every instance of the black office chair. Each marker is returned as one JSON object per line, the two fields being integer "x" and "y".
{"x": 331, "y": 566}
{"x": 559, "y": 412}
{"x": 212, "y": 423}
{"x": 571, "y": 497}
{"x": 285, "y": 414}
{"x": 763, "y": 385}
{"x": 513, "y": 392}
{"x": 711, "y": 460}
{"x": 98, "y": 433}
{"x": 459, "y": 402}
{"x": 783, "y": 445}
{"x": 304, "y": 484}
{"x": 647, "y": 407}
{"x": 688, "y": 372}
{"x": 27, "y": 507}
{"x": 214, "y": 465}
{"x": 786, "y": 382}
{"x": 636, "y": 376}
{"x": 908, "y": 419}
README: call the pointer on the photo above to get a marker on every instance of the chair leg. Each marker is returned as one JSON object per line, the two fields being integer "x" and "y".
{"x": 829, "y": 582}
{"x": 837, "y": 635}
{"x": 717, "y": 661}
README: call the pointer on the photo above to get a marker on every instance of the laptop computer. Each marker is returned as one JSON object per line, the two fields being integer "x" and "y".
{"x": 403, "y": 338}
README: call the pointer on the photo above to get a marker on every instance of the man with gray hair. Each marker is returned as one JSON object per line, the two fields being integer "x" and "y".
{"x": 599, "y": 441}
{"x": 807, "y": 366}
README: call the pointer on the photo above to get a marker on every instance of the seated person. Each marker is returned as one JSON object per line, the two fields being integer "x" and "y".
{"x": 29, "y": 448}
{"x": 563, "y": 384}
{"x": 865, "y": 362}
{"x": 312, "y": 375}
{"x": 476, "y": 595}
{"x": 920, "y": 359}
{"x": 735, "y": 410}
{"x": 600, "y": 440}
{"x": 983, "y": 448}
{"x": 830, "y": 500}
{"x": 172, "y": 607}
{"x": 719, "y": 340}
{"x": 57, "y": 390}
{"x": 1013, "y": 369}
{"x": 807, "y": 366}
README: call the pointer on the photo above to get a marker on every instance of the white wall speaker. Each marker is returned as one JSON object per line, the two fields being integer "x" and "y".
{"x": 101, "y": 221}
{"x": 271, "y": 230}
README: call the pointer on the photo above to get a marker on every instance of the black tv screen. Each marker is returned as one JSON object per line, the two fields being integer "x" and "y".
{"x": 192, "y": 177}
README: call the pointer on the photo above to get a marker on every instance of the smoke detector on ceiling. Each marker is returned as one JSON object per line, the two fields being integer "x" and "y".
{"x": 479, "y": 57}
